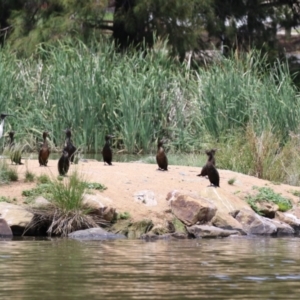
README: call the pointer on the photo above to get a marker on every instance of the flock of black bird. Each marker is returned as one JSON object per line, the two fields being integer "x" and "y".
{"x": 209, "y": 170}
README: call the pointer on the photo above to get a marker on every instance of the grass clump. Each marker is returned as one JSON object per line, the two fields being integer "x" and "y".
{"x": 43, "y": 179}
{"x": 95, "y": 186}
{"x": 267, "y": 194}
{"x": 29, "y": 176}
{"x": 66, "y": 212}
{"x": 7, "y": 199}
{"x": 231, "y": 181}
{"x": 123, "y": 216}
{"x": 7, "y": 173}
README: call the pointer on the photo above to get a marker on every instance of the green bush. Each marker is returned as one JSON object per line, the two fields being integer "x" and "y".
{"x": 268, "y": 195}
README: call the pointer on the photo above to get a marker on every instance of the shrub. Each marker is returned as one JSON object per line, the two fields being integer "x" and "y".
{"x": 267, "y": 194}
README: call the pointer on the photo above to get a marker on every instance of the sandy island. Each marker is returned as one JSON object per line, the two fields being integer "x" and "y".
{"x": 124, "y": 180}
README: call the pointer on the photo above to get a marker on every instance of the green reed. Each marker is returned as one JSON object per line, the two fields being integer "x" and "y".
{"x": 140, "y": 98}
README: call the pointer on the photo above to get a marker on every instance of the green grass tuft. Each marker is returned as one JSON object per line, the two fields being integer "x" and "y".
{"x": 231, "y": 181}
{"x": 267, "y": 194}
{"x": 29, "y": 176}
{"x": 66, "y": 212}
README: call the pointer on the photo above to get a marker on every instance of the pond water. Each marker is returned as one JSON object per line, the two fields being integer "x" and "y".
{"x": 232, "y": 268}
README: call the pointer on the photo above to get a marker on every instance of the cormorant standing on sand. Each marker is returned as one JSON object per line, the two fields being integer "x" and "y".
{"x": 2, "y": 117}
{"x": 44, "y": 151}
{"x": 69, "y": 147}
{"x": 211, "y": 156}
{"x": 107, "y": 152}
{"x": 210, "y": 170}
{"x": 161, "y": 157}
{"x": 63, "y": 163}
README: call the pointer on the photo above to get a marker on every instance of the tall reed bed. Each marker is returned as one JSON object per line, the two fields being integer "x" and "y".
{"x": 141, "y": 97}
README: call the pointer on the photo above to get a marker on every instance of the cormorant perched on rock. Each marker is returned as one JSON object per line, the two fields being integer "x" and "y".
{"x": 63, "y": 163}
{"x": 210, "y": 170}
{"x": 107, "y": 152}
{"x": 44, "y": 151}
{"x": 161, "y": 157}
{"x": 2, "y": 117}
{"x": 69, "y": 147}
{"x": 15, "y": 150}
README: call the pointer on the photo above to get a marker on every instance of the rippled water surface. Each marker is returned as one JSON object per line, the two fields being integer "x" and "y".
{"x": 233, "y": 268}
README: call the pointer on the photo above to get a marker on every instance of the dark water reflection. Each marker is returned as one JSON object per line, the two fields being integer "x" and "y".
{"x": 236, "y": 268}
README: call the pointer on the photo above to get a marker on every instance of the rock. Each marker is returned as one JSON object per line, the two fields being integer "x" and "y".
{"x": 223, "y": 200}
{"x": 178, "y": 226}
{"x": 5, "y": 230}
{"x": 168, "y": 236}
{"x": 190, "y": 210}
{"x": 226, "y": 221}
{"x": 254, "y": 224}
{"x": 92, "y": 201}
{"x": 131, "y": 229}
{"x": 282, "y": 228}
{"x": 267, "y": 209}
{"x": 40, "y": 201}
{"x": 137, "y": 229}
{"x": 95, "y": 234}
{"x": 206, "y": 231}
{"x": 108, "y": 213}
{"x": 289, "y": 219}
{"x": 16, "y": 217}
{"x": 159, "y": 229}
{"x": 295, "y": 211}
{"x": 146, "y": 197}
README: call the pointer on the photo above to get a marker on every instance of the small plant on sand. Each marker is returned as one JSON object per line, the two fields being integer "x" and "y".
{"x": 7, "y": 199}
{"x": 7, "y": 173}
{"x": 295, "y": 193}
{"x": 267, "y": 194}
{"x": 67, "y": 212}
{"x": 231, "y": 181}
{"x": 43, "y": 179}
{"x": 95, "y": 186}
{"x": 123, "y": 216}
{"x": 29, "y": 176}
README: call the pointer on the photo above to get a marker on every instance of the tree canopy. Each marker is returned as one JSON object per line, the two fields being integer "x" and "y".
{"x": 187, "y": 26}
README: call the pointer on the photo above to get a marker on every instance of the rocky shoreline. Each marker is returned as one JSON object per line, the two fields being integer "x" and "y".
{"x": 195, "y": 211}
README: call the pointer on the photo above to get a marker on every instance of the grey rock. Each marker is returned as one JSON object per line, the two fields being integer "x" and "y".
{"x": 290, "y": 219}
{"x": 5, "y": 230}
{"x": 282, "y": 228}
{"x": 95, "y": 234}
{"x": 40, "y": 201}
{"x": 227, "y": 221}
{"x": 254, "y": 224}
{"x": 206, "y": 231}
{"x": 17, "y": 217}
{"x": 168, "y": 236}
{"x": 146, "y": 197}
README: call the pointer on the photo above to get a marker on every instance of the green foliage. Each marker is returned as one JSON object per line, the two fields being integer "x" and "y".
{"x": 295, "y": 193}
{"x": 29, "y": 176}
{"x": 267, "y": 194}
{"x": 95, "y": 186}
{"x": 67, "y": 195}
{"x": 6, "y": 199}
{"x": 231, "y": 181}
{"x": 7, "y": 173}
{"x": 123, "y": 216}
{"x": 43, "y": 179}
{"x": 66, "y": 212}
